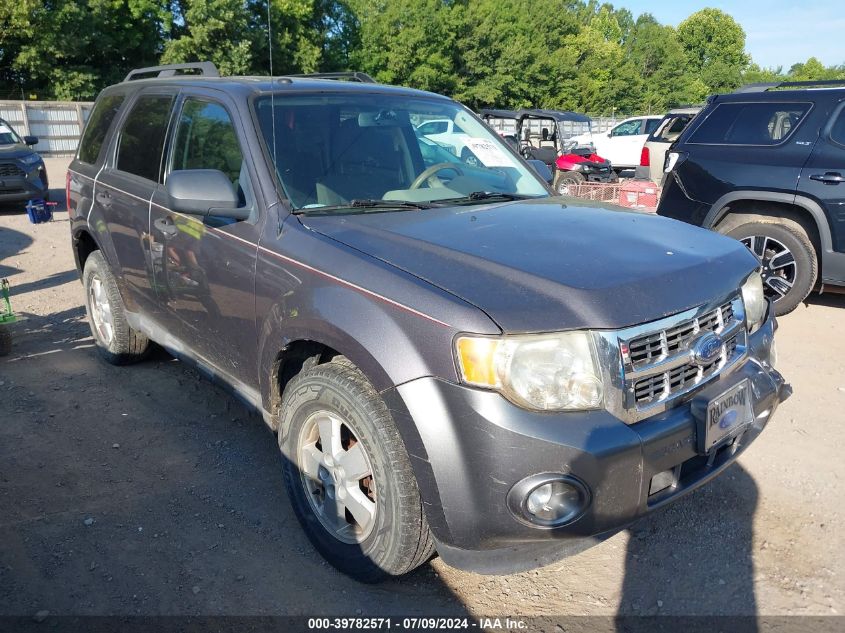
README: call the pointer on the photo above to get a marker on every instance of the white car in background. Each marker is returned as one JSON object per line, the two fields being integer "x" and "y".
{"x": 624, "y": 142}
{"x": 448, "y": 134}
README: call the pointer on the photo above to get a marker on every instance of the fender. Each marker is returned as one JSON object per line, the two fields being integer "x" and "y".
{"x": 832, "y": 263}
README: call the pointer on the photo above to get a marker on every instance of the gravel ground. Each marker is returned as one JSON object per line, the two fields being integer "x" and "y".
{"x": 147, "y": 490}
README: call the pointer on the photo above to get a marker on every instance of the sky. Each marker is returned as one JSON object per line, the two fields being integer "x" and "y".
{"x": 777, "y": 32}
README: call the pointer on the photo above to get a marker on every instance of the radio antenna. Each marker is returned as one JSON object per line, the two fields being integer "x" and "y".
{"x": 272, "y": 87}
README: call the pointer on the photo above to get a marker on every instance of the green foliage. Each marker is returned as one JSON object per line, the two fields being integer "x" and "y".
{"x": 715, "y": 47}
{"x": 568, "y": 54}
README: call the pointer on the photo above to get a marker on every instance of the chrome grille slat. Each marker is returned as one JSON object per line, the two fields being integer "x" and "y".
{"x": 658, "y": 363}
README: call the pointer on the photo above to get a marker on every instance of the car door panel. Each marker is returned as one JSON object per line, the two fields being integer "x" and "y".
{"x": 123, "y": 191}
{"x": 823, "y": 176}
{"x": 204, "y": 268}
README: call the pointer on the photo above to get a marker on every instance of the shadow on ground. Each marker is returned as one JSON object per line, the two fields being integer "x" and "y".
{"x": 145, "y": 490}
{"x": 148, "y": 490}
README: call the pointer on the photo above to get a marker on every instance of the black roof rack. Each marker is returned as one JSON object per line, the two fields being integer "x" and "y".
{"x": 763, "y": 87}
{"x": 352, "y": 75}
{"x": 206, "y": 69}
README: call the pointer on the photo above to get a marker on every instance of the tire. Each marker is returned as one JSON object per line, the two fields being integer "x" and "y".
{"x": 468, "y": 158}
{"x": 116, "y": 342}
{"x": 775, "y": 241}
{"x": 566, "y": 179}
{"x": 335, "y": 400}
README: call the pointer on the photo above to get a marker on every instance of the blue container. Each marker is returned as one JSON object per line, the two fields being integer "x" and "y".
{"x": 39, "y": 211}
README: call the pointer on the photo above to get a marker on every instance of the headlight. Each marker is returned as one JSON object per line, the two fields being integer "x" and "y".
{"x": 30, "y": 159}
{"x": 754, "y": 300}
{"x": 549, "y": 372}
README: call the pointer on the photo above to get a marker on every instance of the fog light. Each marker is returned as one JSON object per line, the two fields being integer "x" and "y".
{"x": 548, "y": 500}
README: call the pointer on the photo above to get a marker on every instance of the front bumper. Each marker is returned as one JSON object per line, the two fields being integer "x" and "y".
{"x": 475, "y": 446}
{"x": 31, "y": 185}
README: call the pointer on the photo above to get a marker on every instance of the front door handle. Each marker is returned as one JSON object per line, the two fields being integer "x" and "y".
{"x": 166, "y": 226}
{"x": 829, "y": 178}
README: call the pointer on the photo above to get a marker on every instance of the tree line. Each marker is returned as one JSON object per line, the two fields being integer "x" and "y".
{"x": 564, "y": 54}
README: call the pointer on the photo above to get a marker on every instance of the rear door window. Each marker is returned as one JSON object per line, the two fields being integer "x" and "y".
{"x": 98, "y": 126}
{"x": 769, "y": 123}
{"x": 142, "y": 136}
{"x": 651, "y": 125}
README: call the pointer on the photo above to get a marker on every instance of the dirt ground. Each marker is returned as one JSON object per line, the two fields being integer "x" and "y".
{"x": 147, "y": 490}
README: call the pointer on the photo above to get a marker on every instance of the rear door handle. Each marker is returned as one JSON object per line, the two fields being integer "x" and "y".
{"x": 829, "y": 178}
{"x": 166, "y": 226}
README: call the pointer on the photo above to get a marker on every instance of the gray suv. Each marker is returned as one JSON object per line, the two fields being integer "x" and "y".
{"x": 452, "y": 359}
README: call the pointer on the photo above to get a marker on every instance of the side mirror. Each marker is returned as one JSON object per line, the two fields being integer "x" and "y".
{"x": 30, "y": 140}
{"x": 203, "y": 192}
{"x": 541, "y": 169}
{"x": 610, "y": 134}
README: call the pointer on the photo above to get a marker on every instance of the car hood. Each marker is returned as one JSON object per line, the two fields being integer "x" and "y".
{"x": 14, "y": 151}
{"x": 552, "y": 264}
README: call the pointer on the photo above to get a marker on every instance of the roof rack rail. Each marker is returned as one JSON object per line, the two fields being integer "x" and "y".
{"x": 351, "y": 75}
{"x": 763, "y": 87}
{"x": 206, "y": 69}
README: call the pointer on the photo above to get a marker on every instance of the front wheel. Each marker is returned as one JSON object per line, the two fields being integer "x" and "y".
{"x": 348, "y": 474}
{"x": 788, "y": 261}
{"x": 565, "y": 180}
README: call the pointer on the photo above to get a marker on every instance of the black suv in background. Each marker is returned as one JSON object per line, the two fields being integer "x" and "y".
{"x": 452, "y": 359}
{"x": 766, "y": 165}
{"x": 22, "y": 172}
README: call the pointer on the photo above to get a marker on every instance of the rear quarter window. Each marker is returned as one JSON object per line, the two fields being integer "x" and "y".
{"x": 769, "y": 123}
{"x": 98, "y": 126}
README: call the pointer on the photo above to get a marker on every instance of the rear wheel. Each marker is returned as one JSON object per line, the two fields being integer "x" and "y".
{"x": 786, "y": 253}
{"x": 565, "y": 180}
{"x": 348, "y": 474}
{"x": 116, "y": 342}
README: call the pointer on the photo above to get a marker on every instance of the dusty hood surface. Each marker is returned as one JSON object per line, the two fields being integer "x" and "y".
{"x": 547, "y": 265}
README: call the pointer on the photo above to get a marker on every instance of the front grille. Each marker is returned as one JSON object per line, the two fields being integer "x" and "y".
{"x": 645, "y": 350}
{"x": 659, "y": 365}
{"x": 8, "y": 170}
{"x": 659, "y": 386}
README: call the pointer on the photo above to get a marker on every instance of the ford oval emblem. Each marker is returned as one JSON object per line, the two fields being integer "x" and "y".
{"x": 707, "y": 349}
{"x": 729, "y": 419}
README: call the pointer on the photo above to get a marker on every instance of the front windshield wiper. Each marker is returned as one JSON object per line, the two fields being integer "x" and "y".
{"x": 480, "y": 196}
{"x": 367, "y": 203}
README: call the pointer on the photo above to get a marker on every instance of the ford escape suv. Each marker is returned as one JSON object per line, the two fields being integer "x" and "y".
{"x": 452, "y": 359}
{"x": 766, "y": 165}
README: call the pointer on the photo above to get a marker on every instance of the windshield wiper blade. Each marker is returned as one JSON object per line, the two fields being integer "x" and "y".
{"x": 479, "y": 196}
{"x": 365, "y": 203}
{"x": 368, "y": 203}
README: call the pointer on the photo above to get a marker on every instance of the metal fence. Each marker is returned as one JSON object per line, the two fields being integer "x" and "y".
{"x": 57, "y": 124}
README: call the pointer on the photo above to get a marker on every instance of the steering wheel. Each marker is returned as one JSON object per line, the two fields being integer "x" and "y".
{"x": 428, "y": 175}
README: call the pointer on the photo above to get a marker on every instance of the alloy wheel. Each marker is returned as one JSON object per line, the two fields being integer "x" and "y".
{"x": 101, "y": 312}
{"x": 337, "y": 475}
{"x": 779, "y": 269}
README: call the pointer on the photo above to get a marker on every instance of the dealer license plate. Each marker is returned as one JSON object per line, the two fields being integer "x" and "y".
{"x": 727, "y": 414}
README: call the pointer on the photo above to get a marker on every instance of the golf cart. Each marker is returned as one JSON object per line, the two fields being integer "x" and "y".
{"x": 546, "y": 135}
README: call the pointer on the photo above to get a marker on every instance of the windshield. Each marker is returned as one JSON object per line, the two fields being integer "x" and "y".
{"x": 332, "y": 150}
{"x": 7, "y": 135}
